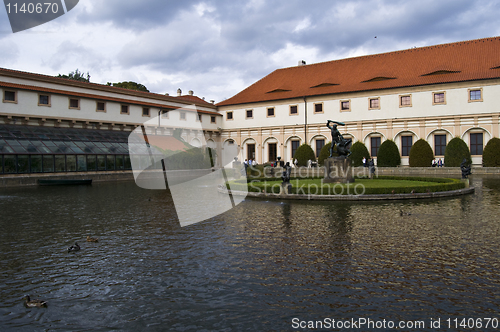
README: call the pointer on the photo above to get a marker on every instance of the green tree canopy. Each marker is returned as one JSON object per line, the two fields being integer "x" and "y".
{"x": 130, "y": 85}
{"x": 455, "y": 152}
{"x": 491, "y": 153}
{"x": 303, "y": 154}
{"x": 76, "y": 76}
{"x": 388, "y": 154}
{"x": 421, "y": 154}
{"x": 358, "y": 151}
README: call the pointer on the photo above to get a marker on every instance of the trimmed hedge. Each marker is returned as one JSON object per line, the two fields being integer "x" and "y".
{"x": 455, "y": 152}
{"x": 491, "y": 153}
{"x": 358, "y": 151}
{"x": 421, "y": 154}
{"x": 303, "y": 154}
{"x": 388, "y": 154}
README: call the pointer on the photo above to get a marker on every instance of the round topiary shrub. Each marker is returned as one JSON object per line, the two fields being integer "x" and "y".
{"x": 491, "y": 153}
{"x": 325, "y": 153}
{"x": 455, "y": 152}
{"x": 303, "y": 154}
{"x": 358, "y": 151}
{"x": 421, "y": 154}
{"x": 388, "y": 154}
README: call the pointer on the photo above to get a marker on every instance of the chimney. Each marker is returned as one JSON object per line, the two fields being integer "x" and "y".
{"x": 179, "y": 92}
{"x": 190, "y": 92}
{"x": 302, "y": 63}
{"x": 212, "y": 101}
{"x": 166, "y": 94}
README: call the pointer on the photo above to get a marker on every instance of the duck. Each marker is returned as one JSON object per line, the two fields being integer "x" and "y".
{"x": 402, "y": 213}
{"x": 74, "y": 247}
{"x": 29, "y": 303}
{"x": 92, "y": 239}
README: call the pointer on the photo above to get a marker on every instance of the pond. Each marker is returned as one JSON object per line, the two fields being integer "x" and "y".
{"x": 262, "y": 266}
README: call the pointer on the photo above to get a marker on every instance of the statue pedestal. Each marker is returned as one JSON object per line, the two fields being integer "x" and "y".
{"x": 286, "y": 188}
{"x": 338, "y": 170}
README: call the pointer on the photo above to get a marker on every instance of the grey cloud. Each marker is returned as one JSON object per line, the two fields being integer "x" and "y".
{"x": 135, "y": 15}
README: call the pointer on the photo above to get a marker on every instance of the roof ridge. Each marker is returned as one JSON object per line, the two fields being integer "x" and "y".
{"x": 397, "y": 51}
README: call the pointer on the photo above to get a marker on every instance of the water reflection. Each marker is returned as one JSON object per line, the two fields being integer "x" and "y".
{"x": 255, "y": 267}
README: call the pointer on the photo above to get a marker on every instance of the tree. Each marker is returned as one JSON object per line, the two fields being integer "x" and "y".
{"x": 455, "y": 152}
{"x": 388, "y": 154}
{"x": 130, "y": 85}
{"x": 358, "y": 151}
{"x": 303, "y": 154}
{"x": 325, "y": 153}
{"x": 491, "y": 153}
{"x": 421, "y": 154}
{"x": 76, "y": 76}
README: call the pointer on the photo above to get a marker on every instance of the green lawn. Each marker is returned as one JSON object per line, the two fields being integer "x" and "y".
{"x": 360, "y": 186}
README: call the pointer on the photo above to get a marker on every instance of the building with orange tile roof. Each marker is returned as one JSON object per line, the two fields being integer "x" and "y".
{"x": 435, "y": 93}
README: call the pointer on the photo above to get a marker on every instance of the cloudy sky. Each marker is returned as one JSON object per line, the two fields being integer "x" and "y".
{"x": 219, "y": 47}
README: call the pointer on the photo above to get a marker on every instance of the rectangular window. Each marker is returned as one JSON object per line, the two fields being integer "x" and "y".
{"x": 270, "y": 111}
{"x": 36, "y": 163}
{"x": 200, "y": 117}
{"x": 229, "y": 115}
{"x": 146, "y": 111}
{"x": 438, "y": 98}
{"x": 439, "y": 145}
{"x": 318, "y": 108}
{"x": 100, "y": 106}
{"x": 374, "y": 103}
{"x": 110, "y": 162}
{"x": 23, "y": 164}
{"x": 48, "y": 163}
{"x": 345, "y": 105}
{"x": 182, "y": 115}
{"x": 272, "y": 151}
{"x": 250, "y": 151}
{"x": 405, "y": 101}
{"x": 375, "y": 144}
{"x": 82, "y": 163}
{"x": 294, "y": 110}
{"x": 249, "y": 114}
{"x": 124, "y": 109}
{"x": 43, "y": 100}
{"x": 91, "y": 163}
{"x": 101, "y": 163}
{"x": 74, "y": 103}
{"x": 320, "y": 143}
{"x": 475, "y": 95}
{"x": 476, "y": 144}
{"x": 295, "y": 146}
{"x": 9, "y": 96}
{"x": 60, "y": 163}
{"x": 71, "y": 163}
{"x": 9, "y": 164}
{"x": 406, "y": 143}
{"x": 213, "y": 119}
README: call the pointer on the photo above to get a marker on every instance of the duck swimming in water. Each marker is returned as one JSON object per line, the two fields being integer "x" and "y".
{"x": 74, "y": 248}
{"x": 29, "y": 303}
{"x": 92, "y": 239}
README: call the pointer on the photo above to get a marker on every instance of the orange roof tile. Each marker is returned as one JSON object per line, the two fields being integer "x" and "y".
{"x": 462, "y": 61}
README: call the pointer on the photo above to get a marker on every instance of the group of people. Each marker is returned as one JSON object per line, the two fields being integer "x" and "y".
{"x": 438, "y": 163}
{"x": 368, "y": 163}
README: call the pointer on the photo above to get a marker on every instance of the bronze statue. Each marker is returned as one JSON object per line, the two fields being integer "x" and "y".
{"x": 343, "y": 145}
{"x": 465, "y": 169}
